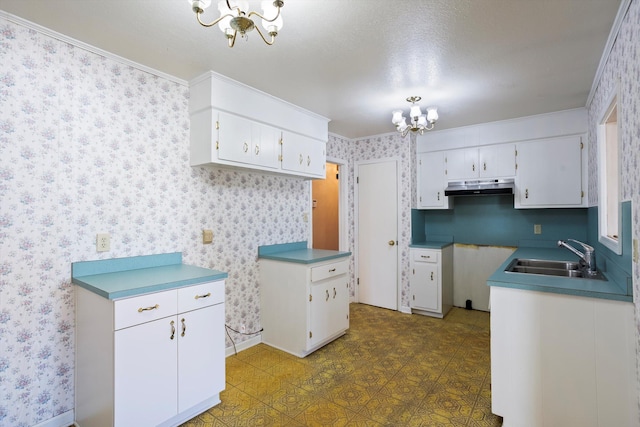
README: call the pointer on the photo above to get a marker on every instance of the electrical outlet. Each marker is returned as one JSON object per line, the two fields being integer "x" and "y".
{"x": 103, "y": 242}
{"x": 243, "y": 328}
{"x": 537, "y": 229}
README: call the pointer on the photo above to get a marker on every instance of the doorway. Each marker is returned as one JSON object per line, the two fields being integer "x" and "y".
{"x": 325, "y": 196}
{"x": 377, "y": 231}
{"x": 330, "y": 195}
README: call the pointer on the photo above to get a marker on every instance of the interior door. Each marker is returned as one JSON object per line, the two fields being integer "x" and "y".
{"x": 377, "y": 238}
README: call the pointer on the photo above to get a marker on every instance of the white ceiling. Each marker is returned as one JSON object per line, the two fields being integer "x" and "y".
{"x": 354, "y": 61}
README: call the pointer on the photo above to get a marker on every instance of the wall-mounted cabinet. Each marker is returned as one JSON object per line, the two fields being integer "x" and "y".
{"x": 493, "y": 161}
{"x": 432, "y": 181}
{"x": 233, "y": 125}
{"x": 550, "y": 173}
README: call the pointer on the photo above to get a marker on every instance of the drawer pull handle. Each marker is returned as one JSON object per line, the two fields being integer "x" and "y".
{"x": 426, "y": 256}
{"x": 332, "y": 270}
{"x": 327, "y": 291}
{"x": 173, "y": 330}
{"x": 153, "y": 307}
{"x": 207, "y": 295}
{"x": 184, "y": 327}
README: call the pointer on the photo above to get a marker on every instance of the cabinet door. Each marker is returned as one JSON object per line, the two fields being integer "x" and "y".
{"x": 425, "y": 287}
{"x": 234, "y": 138}
{"x": 339, "y": 315}
{"x": 462, "y": 164}
{"x": 319, "y": 312}
{"x": 497, "y": 161}
{"x": 266, "y": 146}
{"x": 145, "y": 370}
{"x": 303, "y": 154}
{"x": 549, "y": 173}
{"x": 201, "y": 358}
{"x": 431, "y": 181}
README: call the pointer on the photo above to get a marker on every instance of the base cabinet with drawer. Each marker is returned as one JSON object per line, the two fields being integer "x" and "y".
{"x": 431, "y": 281}
{"x": 156, "y": 359}
{"x": 303, "y": 306}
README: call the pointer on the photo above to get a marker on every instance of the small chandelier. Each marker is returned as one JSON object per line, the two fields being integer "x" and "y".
{"x": 235, "y": 18}
{"x": 418, "y": 122}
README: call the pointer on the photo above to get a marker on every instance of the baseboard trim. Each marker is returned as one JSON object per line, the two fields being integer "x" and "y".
{"x": 63, "y": 420}
{"x": 230, "y": 351}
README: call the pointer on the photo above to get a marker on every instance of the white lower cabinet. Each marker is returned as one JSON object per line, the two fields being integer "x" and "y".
{"x": 431, "y": 281}
{"x": 561, "y": 360}
{"x": 155, "y": 359}
{"x": 303, "y": 306}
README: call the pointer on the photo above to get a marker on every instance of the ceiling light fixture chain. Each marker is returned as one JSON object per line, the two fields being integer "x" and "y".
{"x": 418, "y": 122}
{"x": 235, "y": 18}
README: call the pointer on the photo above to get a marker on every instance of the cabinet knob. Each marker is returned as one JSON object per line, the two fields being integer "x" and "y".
{"x": 484, "y": 166}
{"x": 526, "y": 193}
{"x": 173, "y": 330}
{"x": 392, "y": 242}
{"x": 327, "y": 291}
{"x": 245, "y": 147}
{"x": 334, "y": 293}
{"x": 257, "y": 150}
{"x": 184, "y": 327}
{"x": 438, "y": 195}
{"x": 432, "y": 275}
{"x": 308, "y": 160}
{"x": 301, "y": 158}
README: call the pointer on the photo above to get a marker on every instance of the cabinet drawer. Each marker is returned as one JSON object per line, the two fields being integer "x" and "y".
{"x": 329, "y": 270}
{"x": 426, "y": 256}
{"x": 198, "y": 296}
{"x": 144, "y": 308}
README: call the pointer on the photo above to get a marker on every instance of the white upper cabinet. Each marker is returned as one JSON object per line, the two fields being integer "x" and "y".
{"x": 432, "y": 181}
{"x": 493, "y": 161}
{"x": 234, "y": 125}
{"x": 549, "y": 173}
{"x": 303, "y": 155}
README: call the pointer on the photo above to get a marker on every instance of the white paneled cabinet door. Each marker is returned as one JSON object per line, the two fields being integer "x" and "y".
{"x": 319, "y": 312}
{"x": 266, "y": 146}
{"x": 425, "y": 287}
{"x": 303, "y": 154}
{"x": 431, "y": 181}
{"x": 145, "y": 364}
{"x": 461, "y": 164}
{"x": 497, "y": 161}
{"x": 234, "y": 138}
{"x": 549, "y": 173}
{"x": 200, "y": 354}
{"x": 339, "y": 309}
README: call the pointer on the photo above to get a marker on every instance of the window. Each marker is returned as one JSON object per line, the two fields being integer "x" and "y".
{"x": 609, "y": 178}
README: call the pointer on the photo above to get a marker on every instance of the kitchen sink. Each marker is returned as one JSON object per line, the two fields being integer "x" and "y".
{"x": 551, "y": 268}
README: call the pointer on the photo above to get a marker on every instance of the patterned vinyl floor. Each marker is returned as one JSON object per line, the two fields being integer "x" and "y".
{"x": 390, "y": 369}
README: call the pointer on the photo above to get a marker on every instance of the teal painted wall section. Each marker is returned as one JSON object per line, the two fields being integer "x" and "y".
{"x": 619, "y": 266}
{"x": 492, "y": 220}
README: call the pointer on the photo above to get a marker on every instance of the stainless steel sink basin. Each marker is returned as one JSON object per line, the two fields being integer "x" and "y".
{"x": 551, "y": 268}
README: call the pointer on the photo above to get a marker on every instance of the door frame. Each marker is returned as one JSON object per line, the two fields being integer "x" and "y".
{"x": 343, "y": 239}
{"x": 398, "y": 162}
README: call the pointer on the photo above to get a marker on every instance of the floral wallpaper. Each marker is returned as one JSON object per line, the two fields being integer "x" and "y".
{"x": 623, "y": 69}
{"x": 90, "y": 145}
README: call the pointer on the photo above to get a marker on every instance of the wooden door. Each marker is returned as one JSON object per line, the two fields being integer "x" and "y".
{"x": 325, "y": 195}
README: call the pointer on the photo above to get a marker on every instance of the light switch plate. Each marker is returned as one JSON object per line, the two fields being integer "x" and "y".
{"x": 635, "y": 250}
{"x": 537, "y": 229}
{"x": 207, "y": 236}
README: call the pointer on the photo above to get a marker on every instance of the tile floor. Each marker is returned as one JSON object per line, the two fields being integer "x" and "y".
{"x": 390, "y": 369}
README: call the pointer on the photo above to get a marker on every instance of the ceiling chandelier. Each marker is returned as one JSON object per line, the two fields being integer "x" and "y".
{"x": 418, "y": 122}
{"x": 235, "y": 18}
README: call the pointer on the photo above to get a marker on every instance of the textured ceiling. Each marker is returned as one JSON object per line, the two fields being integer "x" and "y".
{"x": 354, "y": 61}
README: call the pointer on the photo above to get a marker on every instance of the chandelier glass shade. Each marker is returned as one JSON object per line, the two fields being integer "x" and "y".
{"x": 235, "y": 18}
{"x": 418, "y": 122}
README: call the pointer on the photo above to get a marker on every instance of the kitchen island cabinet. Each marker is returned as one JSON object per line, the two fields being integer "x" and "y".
{"x": 562, "y": 349}
{"x": 304, "y": 297}
{"x": 149, "y": 342}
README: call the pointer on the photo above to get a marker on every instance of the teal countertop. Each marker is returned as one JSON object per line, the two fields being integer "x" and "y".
{"x": 298, "y": 253}
{"x": 430, "y": 245}
{"x": 126, "y": 277}
{"x": 605, "y": 289}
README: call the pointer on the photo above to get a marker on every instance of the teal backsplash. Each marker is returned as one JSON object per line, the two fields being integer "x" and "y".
{"x": 492, "y": 220}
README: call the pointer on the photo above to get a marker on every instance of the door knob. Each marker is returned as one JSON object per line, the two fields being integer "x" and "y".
{"x": 392, "y": 242}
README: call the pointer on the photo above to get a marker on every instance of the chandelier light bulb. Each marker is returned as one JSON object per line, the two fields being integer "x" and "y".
{"x": 397, "y": 117}
{"x": 432, "y": 115}
{"x": 415, "y": 111}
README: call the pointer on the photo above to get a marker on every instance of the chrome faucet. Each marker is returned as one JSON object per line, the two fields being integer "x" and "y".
{"x": 588, "y": 257}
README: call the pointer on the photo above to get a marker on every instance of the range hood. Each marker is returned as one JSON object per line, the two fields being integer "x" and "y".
{"x": 480, "y": 187}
